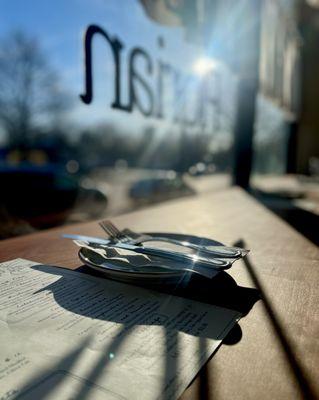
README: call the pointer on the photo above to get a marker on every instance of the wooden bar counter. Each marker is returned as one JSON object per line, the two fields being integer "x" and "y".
{"x": 274, "y": 353}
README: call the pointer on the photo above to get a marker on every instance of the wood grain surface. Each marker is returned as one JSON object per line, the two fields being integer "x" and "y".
{"x": 274, "y": 351}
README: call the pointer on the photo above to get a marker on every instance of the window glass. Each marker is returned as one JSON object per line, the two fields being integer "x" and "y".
{"x": 107, "y": 106}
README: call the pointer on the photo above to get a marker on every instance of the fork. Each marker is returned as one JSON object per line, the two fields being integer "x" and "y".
{"x": 128, "y": 236}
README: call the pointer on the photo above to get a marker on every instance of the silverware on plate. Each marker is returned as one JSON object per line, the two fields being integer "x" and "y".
{"x": 134, "y": 238}
{"x": 190, "y": 259}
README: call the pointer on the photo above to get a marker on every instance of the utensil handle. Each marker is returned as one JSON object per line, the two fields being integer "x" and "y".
{"x": 91, "y": 239}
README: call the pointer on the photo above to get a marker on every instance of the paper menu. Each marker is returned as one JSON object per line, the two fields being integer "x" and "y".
{"x": 68, "y": 335}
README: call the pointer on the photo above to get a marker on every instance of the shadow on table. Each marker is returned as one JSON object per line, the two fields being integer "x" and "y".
{"x": 297, "y": 371}
{"x": 221, "y": 291}
{"x": 285, "y": 206}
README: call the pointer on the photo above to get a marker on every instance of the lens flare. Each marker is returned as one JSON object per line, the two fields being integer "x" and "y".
{"x": 204, "y": 65}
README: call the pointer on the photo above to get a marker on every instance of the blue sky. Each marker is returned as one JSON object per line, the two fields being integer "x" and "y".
{"x": 59, "y": 27}
{"x": 59, "y": 24}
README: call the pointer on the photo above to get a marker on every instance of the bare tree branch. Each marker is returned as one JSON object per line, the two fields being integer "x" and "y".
{"x": 29, "y": 88}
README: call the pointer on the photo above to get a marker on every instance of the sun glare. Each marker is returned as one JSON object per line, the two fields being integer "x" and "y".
{"x": 204, "y": 65}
